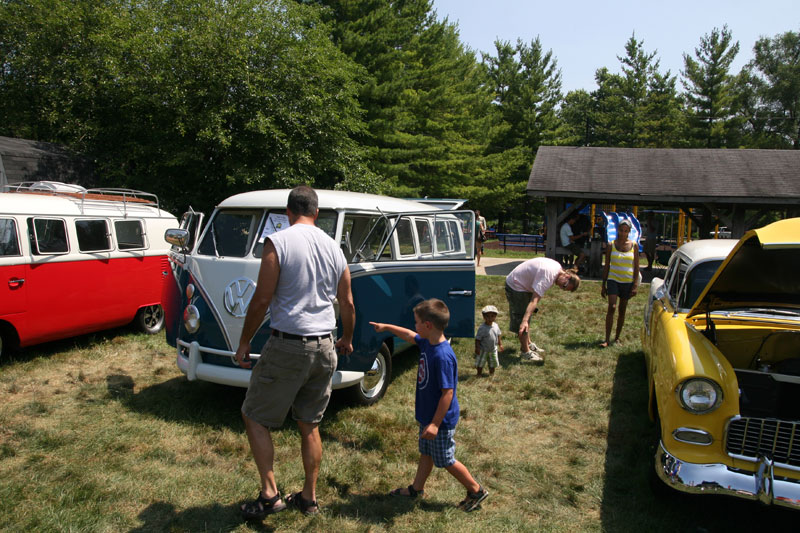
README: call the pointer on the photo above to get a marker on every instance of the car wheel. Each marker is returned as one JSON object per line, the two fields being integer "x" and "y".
{"x": 150, "y": 319}
{"x": 375, "y": 381}
{"x": 8, "y": 340}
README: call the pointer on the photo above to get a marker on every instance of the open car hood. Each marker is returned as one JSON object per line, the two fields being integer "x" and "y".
{"x": 762, "y": 270}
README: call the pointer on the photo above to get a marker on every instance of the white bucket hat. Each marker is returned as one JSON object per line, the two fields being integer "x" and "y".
{"x": 489, "y": 309}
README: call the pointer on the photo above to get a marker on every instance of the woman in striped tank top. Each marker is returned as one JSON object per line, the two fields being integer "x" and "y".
{"x": 620, "y": 277}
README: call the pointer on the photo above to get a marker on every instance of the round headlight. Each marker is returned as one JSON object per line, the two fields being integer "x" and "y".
{"x": 699, "y": 396}
{"x": 191, "y": 319}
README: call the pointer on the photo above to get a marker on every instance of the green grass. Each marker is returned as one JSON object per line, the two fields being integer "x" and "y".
{"x": 103, "y": 433}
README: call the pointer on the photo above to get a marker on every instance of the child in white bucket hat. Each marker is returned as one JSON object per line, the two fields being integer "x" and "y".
{"x": 487, "y": 340}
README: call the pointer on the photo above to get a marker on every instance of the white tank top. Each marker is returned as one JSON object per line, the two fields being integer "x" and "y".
{"x": 311, "y": 267}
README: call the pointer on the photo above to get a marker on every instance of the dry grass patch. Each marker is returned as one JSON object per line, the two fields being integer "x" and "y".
{"x": 103, "y": 433}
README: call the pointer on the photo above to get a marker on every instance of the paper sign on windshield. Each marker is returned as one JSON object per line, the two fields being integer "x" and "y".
{"x": 275, "y": 222}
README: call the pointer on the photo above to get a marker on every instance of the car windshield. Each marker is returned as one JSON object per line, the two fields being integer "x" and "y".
{"x": 698, "y": 278}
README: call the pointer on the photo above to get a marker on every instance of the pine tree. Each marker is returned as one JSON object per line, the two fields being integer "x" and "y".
{"x": 663, "y": 117}
{"x": 526, "y": 83}
{"x": 423, "y": 94}
{"x": 709, "y": 89}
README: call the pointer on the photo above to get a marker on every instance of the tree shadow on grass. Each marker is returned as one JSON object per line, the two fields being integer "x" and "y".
{"x": 634, "y": 501}
{"x": 380, "y": 509}
{"x": 212, "y": 405}
{"x": 367, "y": 509}
{"x": 178, "y": 400}
{"x": 79, "y": 342}
{"x": 162, "y": 516}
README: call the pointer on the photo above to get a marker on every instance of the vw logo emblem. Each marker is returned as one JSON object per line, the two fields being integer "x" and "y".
{"x": 238, "y": 294}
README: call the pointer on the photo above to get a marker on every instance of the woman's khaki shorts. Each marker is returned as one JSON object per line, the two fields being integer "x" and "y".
{"x": 292, "y": 374}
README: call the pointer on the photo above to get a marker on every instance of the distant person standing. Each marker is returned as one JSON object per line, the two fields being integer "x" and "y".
{"x": 481, "y": 221}
{"x": 302, "y": 271}
{"x": 488, "y": 339}
{"x": 650, "y": 239}
{"x": 569, "y": 239}
{"x": 620, "y": 278}
{"x": 480, "y": 235}
{"x": 525, "y": 286}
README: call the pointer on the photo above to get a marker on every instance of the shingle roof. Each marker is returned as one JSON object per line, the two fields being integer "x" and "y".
{"x": 661, "y": 174}
{"x": 25, "y": 160}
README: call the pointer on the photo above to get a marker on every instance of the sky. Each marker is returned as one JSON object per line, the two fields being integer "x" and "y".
{"x": 585, "y": 35}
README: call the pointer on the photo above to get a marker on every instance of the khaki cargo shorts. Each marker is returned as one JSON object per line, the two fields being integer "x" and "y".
{"x": 292, "y": 374}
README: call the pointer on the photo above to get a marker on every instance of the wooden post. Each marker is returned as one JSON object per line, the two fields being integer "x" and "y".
{"x": 739, "y": 225}
{"x": 551, "y": 219}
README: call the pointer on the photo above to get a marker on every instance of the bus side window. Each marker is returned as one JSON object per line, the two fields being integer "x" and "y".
{"x": 444, "y": 237}
{"x": 405, "y": 238}
{"x": 129, "y": 234}
{"x": 49, "y": 235}
{"x": 424, "y": 235}
{"x": 93, "y": 235}
{"x": 9, "y": 244}
{"x": 364, "y": 234}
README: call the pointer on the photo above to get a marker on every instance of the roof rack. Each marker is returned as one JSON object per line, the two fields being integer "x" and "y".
{"x": 128, "y": 197}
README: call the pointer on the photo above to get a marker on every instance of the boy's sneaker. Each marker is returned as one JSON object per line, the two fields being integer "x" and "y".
{"x": 473, "y": 499}
{"x": 533, "y": 356}
{"x": 535, "y": 348}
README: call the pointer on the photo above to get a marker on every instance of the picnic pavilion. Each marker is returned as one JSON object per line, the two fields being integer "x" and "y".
{"x": 725, "y": 187}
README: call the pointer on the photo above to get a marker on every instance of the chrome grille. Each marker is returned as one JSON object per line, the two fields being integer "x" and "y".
{"x": 778, "y": 440}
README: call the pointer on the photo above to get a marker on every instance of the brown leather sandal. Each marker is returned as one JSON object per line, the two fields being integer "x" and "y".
{"x": 307, "y": 507}
{"x": 261, "y": 507}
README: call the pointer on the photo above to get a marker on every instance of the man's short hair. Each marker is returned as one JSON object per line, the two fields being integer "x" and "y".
{"x": 303, "y": 201}
{"x": 434, "y": 311}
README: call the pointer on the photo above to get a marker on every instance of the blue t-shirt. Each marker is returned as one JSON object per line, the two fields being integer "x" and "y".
{"x": 438, "y": 369}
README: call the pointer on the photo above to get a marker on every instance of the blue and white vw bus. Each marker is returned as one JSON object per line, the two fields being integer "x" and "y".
{"x": 399, "y": 252}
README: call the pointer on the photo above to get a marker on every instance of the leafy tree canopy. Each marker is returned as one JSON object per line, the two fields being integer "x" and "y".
{"x": 193, "y": 99}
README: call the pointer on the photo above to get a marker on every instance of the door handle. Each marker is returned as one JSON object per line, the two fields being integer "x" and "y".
{"x": 15, "y": 282}
{"x": 459, "y": 293}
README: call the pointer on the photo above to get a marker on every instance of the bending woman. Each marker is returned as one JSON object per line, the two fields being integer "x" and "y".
{"x": 620, "y": 277}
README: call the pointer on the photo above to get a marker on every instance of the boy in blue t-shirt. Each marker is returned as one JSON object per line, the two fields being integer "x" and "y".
{"x": 436, "y": 407}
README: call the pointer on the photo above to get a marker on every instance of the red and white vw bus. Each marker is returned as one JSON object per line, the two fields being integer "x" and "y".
{"x": 75, "y": 260}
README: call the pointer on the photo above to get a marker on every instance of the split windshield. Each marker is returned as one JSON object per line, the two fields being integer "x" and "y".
{"x": 237, "y": 232}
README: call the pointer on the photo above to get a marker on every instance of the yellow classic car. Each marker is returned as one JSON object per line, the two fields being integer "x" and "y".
{"x": 721, "y": 337}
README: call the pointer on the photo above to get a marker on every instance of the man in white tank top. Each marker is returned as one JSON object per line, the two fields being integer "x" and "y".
{"x": 302, "y": 271}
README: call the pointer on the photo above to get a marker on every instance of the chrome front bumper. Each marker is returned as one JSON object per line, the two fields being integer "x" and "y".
{"x": 761, "y": 485}
{"x": 190, "y": 362}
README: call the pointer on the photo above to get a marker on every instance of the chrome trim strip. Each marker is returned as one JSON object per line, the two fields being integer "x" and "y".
{"x": 718, "y": 478}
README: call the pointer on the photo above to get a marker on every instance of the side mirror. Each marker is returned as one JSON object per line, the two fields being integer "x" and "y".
{"x": 660, "y": 292}
{"x": 177, "y": 237}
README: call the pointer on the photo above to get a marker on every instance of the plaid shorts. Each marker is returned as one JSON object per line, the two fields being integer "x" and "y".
{"x": 442, "y": 448}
